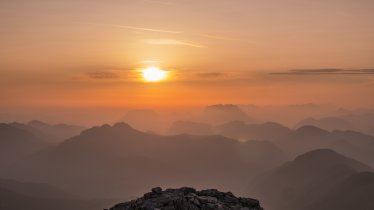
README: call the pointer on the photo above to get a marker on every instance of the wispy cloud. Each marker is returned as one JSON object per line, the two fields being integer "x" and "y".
{"x": 103, "y": 75}
{"x": 172, "y": 42}
{"x": 210, "y": 75}
{"x": 329, "y": 71}
{"x": 99, "y": 72}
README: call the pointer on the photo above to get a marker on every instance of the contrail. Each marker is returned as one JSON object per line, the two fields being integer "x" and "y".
{"x": 172, "y": 32}
{"x": 172, "y": 42}
{"x": 147, "y": 29}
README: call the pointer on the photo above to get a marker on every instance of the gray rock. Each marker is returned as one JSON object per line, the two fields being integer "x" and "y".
{"x": 157, "y": 190}
{"x": 187, "y": 198}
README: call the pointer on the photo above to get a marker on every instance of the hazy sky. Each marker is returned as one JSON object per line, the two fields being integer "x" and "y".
{"x": 78, "y": 53}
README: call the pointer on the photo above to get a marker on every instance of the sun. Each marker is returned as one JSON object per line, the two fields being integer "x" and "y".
{"x": 153, "y": 74}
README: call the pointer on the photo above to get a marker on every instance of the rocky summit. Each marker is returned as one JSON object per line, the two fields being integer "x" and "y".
{"x": 189, "y": 199}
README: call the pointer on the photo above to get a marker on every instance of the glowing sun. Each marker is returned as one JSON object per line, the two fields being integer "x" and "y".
{"x": 153, "y": 74}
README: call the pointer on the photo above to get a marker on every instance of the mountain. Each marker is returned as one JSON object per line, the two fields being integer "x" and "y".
{"x": 288, "y": 115}
{"x": 222, "y": 113}
{"x": 305, "y": 139}
{"x": 305, "y": 180}
{"x": 188, "y": 127}
{"x": 327, "y": 123}
{"x": 350, "y": 143}
{"x": 242, "y": 131}
{"x": 355, "y": 192}
{"x": 189, "y": 198}
{"x": 35, "y": 196}
{"x": 17, "y": 143}
{"x": 50, "y": 133}
{"x": 353, "y": 120}
{"x": 121, "y": 161}
{"x": 295, "y": 142}
{"x": 363, "y": 121}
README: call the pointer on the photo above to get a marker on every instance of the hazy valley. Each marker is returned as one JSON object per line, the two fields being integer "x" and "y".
{"x": 285, "y": 168}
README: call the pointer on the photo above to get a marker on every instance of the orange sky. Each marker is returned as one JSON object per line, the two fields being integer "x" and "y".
{"x": 87, "y": 53}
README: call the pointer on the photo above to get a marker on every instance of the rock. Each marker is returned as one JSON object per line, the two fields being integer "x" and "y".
{"x": 187, "y": 198}
{"x": 157, "y": 190}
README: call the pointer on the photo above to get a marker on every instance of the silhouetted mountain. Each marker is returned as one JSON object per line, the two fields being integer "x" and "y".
{"x": 119, "y": 160}
{"x": 305, "y": 139}
{"x": 262, "y": 153}
{"x": 34, "y": 196}
{"x": 17, "y": 143}
{"x": 305, "y": 181}
{"x": 355, "y": 192}
{"x": 289, "y": 115}
{"x": 50, "y": 133}
{"x": 222, "y": 113}
{"x": 363, "y": 122}
{"x": 328, "y": 123}
{"x": 189, "y": 199}
{"x": 349, "y": 120}
{"x": 350, "y": 143}
{"x": 295, "y": 142}
{"x": 187, "y": 127}
{"x": 354, "y": 144}
{"x": 239, "y": 130}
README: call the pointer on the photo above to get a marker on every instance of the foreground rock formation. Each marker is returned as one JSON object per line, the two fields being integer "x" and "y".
{"x": 189, "y": 199}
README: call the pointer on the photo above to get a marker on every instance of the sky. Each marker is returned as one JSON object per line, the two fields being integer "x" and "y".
{"x": 89, "y": 53}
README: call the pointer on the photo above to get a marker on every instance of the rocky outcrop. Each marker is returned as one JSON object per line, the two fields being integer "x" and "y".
{"x": 189, "y": 199}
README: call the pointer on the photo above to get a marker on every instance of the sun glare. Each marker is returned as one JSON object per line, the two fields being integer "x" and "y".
{"x": 154, "y": 74}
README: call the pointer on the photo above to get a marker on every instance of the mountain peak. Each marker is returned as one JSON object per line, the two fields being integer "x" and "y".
{"x": 119, "y": 125}
{"x": 311, "y": 130}
{"x": 318, "y": 152}
{"x": 228, "y": 107}
{"x": 37, "y": 123}
{"x": 122, "y": 125}
{"x": 329, "y": 157}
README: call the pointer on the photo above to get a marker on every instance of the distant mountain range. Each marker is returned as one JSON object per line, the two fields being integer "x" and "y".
{"x": 293, "y": 142}
{"x": 50, "y": 133}
{"x": 19, "y": 140}
{"x": 149, "y": 120}
{"x": 362, "y": 122}
{"x": 121, "y": 161}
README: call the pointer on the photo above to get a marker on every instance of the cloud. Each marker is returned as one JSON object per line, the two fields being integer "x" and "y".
{"x": 331, "y": 71}
{"x": 172, "y": 42}
{"x": 103, "y": 75}
{"x": 210, "y": 75}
